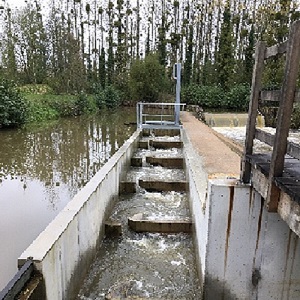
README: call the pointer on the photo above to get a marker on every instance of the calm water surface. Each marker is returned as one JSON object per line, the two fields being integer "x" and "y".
{"x": 41, "y": 169}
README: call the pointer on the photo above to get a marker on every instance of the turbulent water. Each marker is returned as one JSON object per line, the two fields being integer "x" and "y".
{"x": 146, "y": 265}
{"x": 42, "y": 168}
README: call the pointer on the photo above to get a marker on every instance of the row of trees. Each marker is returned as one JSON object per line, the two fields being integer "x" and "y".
{"x": 75, "y": 45}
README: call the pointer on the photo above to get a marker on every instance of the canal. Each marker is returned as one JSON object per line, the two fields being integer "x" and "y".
{"x": 42, "y": 168}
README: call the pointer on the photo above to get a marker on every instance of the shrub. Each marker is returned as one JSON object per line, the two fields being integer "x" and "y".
{"x": 147, "y": 79}
{"x": 237, "y": 98}
{"x": 13, "y": 106}
{"x": 205, "y": 96}
{"x": 81, "y": 103}
{"x": 108, "y": 97}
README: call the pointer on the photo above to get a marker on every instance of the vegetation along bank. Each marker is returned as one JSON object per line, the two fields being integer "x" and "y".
{"x": 74, "y": 57}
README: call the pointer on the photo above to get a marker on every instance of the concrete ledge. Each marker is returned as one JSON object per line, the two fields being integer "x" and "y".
{"x": 127, "y": 187}
{"x": 136, "y": 161}
{"x": 113, "y": 228}
{"x": 163, "y": 186}
{"x": 167, "y": 162}
{"x": 161, "y": 132}
{"x": 144, "y": 144}
{"x": 138, "y": 224}
{"x": 165, "y": 144}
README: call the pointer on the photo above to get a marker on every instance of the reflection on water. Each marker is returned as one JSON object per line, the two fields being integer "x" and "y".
{"x": 41, "y": 169}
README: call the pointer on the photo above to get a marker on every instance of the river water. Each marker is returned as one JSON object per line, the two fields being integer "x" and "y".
{"x": 42, "y": 168}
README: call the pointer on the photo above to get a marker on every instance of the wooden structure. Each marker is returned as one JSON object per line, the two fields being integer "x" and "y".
{"x": 275, "y": 175}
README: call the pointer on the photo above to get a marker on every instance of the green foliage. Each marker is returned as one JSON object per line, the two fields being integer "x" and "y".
{"x": 236, "y": 98}
{"x": 81, "y": 103}
{"x": 50, "y": 107}
{"x": 295, "y": 121}
{"x": 108, "y": 97}
{"x": 13, "y": 108}
{"x": 188, "y": 65}
{"x": 147, "y": 79}
{"x": 39, "y": 111}
{"x": 225, "y": 58}
{"x": 37, "y": 89}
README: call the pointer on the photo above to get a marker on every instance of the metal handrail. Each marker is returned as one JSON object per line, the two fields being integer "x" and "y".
{"x": 164, "y": 115}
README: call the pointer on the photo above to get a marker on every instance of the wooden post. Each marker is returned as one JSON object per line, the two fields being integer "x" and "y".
{"x": 253, "y": 106}
{"x": 284, "y": 114}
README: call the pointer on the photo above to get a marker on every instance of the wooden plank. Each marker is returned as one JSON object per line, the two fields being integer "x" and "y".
{"x": 281, "y": 181}
{"x": 284, "y": 114}
{"x": 265, "y": 137}
{"x": 259, "y": 158}
{"x": 253, "y": 106}
{"x": 293, "y": 149}
{"x": 15, "y": 286}
{"x": 275, "y": 50}
{"x": 274, "y": 96}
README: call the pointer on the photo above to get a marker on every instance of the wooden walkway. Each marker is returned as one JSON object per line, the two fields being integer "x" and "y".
{"x": 276, "y": 176}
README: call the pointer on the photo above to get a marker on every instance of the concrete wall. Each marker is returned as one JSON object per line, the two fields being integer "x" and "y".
{"x": 64, "y": 251}
{"x": 244, "y": 252}
{"x": 197, "y": 178}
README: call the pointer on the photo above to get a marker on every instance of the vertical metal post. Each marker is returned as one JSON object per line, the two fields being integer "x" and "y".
{"x": 138, "y": 121}
{"x": 177, "y": 76}
{"x": 141, "y": 115}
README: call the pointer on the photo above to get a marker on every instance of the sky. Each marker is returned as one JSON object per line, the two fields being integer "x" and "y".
{"x": 15, "y": 3}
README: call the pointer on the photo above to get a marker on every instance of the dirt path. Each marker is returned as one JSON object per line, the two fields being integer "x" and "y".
{"x": 221, "y": 157}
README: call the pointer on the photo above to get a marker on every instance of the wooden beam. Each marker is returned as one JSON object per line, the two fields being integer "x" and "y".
{"x": 253, "y": 106}
{"x": 284, "y": 114}
{"x": 274, "y": 96}
{"x": 275, "y": 50}
{"x": 15, "y": 286}
{"x": 292, "y": 149}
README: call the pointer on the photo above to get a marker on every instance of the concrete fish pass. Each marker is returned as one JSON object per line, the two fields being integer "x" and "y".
{"x": 242, "y": 250}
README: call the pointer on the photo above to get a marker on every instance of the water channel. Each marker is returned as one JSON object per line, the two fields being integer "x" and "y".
{"x": 42, "y": 168}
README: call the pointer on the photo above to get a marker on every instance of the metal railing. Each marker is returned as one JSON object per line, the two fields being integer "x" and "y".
{"x": 158, "y": 115}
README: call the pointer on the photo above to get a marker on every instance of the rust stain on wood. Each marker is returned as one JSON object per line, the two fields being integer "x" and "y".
{"x": 231, "y": 199}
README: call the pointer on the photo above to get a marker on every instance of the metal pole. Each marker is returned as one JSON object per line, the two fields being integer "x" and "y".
{"x": 177, "y": 76}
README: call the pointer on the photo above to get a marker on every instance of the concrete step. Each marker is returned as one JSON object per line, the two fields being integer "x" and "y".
{"x": 159, "y": 144}
{"x": 128, "y": 187}
{"x": 166, "y": 162}
{"x": 163, "y": 186}
{"x": 139, "y": 224}
{"x": 154, "y": 173}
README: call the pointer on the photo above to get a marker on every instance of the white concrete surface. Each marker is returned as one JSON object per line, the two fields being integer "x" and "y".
{"x": 64, "y": 250}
